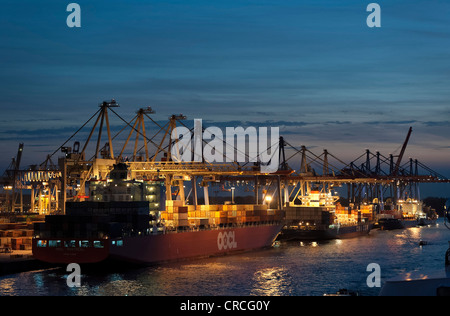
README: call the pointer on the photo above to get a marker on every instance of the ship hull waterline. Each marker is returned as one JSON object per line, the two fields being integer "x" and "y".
{"x": 160, "y": 248}
{"x": 343, "y": 232}
{"x": 197, "y": 244}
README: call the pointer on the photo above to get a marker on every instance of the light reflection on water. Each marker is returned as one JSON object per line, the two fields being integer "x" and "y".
{"x": 290, "y": 269}
{"x": 273, "y": 281}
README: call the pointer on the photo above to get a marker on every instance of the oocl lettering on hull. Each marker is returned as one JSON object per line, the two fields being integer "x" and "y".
{"x": 226, "y": 240}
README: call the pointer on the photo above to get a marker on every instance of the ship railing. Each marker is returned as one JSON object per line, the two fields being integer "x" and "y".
{"x": 308, "y": 227}
{"x": 349, "y": 224}
{"x": 179, "y": 229}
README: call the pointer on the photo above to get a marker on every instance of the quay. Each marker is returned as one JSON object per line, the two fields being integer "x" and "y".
{"x": 16, "y": 255}
{"x": 18, "y": 261}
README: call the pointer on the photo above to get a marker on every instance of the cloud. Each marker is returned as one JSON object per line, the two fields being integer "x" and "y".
{"x": 437, "y": 123}
{"x": 409, "y": 122}
{"x": 30, "y": 120}
{"x": 313, "y": 68}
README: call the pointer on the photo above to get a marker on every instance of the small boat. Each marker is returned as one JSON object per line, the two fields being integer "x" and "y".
{"x": 321, "y": 217}
{"x": 343, "y": 292}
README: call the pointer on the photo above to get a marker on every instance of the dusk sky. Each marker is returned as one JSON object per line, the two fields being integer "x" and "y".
{"x": 312, "y": 67}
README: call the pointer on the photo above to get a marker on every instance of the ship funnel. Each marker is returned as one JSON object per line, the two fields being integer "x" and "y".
{"x": 119, "y": 172}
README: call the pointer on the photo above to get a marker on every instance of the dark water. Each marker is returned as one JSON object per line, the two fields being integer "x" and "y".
{"x": 291, "y": 269}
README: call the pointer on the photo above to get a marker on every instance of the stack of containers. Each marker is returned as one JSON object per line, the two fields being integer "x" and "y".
{"x": 175, "y": 214}
{"x": 347, "y": 215}
{"x": 305, "y": 214}
{"x": 214, "y": 215}
{"x": 367, "y": 211}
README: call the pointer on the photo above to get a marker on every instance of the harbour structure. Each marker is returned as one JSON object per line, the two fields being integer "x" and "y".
{"x": 53, "y": 185}
{"x": 122, "y": 221}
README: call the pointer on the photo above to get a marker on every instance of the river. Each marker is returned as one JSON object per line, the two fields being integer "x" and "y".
{"x": 291, "y": 269}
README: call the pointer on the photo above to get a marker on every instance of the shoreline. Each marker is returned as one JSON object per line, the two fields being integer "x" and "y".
{"x": 20, "y": 261}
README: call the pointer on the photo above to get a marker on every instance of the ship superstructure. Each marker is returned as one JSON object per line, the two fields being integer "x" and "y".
{"x": 321, "y": 217}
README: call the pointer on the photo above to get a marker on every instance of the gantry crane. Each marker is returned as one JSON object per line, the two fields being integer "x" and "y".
{"x": 10, "y": 183}
{"x": 75, "y": 170}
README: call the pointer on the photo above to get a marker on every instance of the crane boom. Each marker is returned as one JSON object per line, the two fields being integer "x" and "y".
{"x": 400, "y": 156}
{"x": 19, "y": 157}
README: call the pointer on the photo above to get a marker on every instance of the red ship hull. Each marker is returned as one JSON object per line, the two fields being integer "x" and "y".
{"x": 70, "y": 254}
{"x": 185, "y": 245}
{"x": 157, "y": 248}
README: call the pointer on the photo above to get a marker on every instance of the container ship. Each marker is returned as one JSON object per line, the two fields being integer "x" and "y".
{"x": 127, "y": 220}
{"x": 404, "y": 214}
{"x": 321, "y": 217}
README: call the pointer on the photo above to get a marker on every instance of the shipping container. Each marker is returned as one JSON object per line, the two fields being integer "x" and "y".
{"x": 174, "y": 203}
